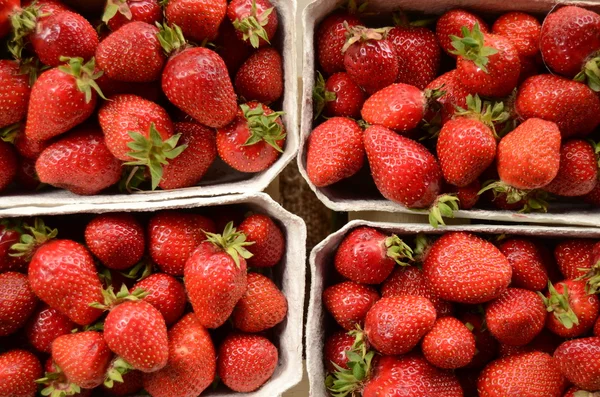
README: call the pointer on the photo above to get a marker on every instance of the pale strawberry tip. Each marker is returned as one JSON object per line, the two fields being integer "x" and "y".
{"x": 232, "y": 242}
{"x": 443, "y": 207}
{"x": 32, "y": 238}
{"x": 471, "y": 46}
{"x": 558, "y": 304}
{"x": 263, "y": 127}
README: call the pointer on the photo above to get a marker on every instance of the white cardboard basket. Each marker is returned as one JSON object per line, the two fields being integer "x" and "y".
{"x": 289, "y": 275}
{"x": 321, "y": 268}
{"x": 355, "y": 197}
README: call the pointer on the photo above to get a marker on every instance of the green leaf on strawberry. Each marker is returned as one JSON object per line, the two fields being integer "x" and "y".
{"x": 252, "y": 27}
{"x": 232, "y": 242}
{"x": 263, "y": 127}
{"x": 116, "y": 6}
{"x": 471, "y": 46}
{"x": 558, "y": 304}
{"x": 444, "y": 206}
{"x": 85, "y": 75}
{"x": 32, "y": 238}
{"x": 321, "y": 96}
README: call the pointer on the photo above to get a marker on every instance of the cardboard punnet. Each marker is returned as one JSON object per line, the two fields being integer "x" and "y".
{"x": 289, "y": 275}
{"x": 220, "y": 179}
{"x": 360, "y": 194}
{"x": 321, "y": 269}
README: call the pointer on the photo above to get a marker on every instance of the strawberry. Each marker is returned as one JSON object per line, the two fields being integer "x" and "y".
{"x": 269, "y": 243}
{"x": 26, "y": 177}
{"x": 61, "y": 98}
{"x": 14, "y": 93}
{"x": 166, "y": 294}
{"x": 545, "y": 342}
{"x": 55, "y": 381}
{"x": 121, "y": 12}
{"x": 19, "y": 370}
{"x": 8, "y": 165}
{"x": 17, "y": 302}
{"x": 593, "y": 197}
{"x": 338, "y": 97}
{"x": 45, "y": 325}
{"x": 215, "y": 276}
{"x": 349, "y": 302}
{"x": 486, "y": 346}
{"x": 453, "y": 95}
{"x": 83, "y": 357}
{"x": 529, "y": 264}
{"x": 255, "y": 21}
{"x": 522, "y": 30}
{"x": 10, "y": 234}
{"x": 262, "y": 306}
{"x": 335, "y": 151}
{"x": 368, "y": 53}
{"x": 245, "y": 362}
{"x": 231, "y": 48}
{"x": 7, "y": 8}
{"x": 260, "y": 78}
{"x": 27, "y": 148}
{"x": 368, "y": 256}
{"x": 573, "y": 257}
{"x": 468, "y": 195}
{"x": 173, "y": 236}
{"x": 47, "y": 7}
{"x": 80, "y": 162}
{"x": 330, "y": 38}
{"x": 528, "y": 375}
{"x": 574, "y": 312}
{"x": 132, "y": 54}
{"x": 571, "y": 105}
{"x": 578, "y": 361}
{"x": 578, "y": 171}
{"x": 192, "y": 362}
{"x": 117, "y": 239}
{"x": 403, "y": 170}
{"x": 132, "y": 384}
{"x": 254, "y": 140}
{"x": 137, "y": 332}
{"x": 199, "y": 20}
{"x": 591, "y": 277}
{"x": 451, "y": 24}
{"x": 335, "y": 350}
{"x": 449, "y": 344}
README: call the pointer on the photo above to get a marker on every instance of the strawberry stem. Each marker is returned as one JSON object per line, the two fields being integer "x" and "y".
{"x": 321, "y": 96}
{"x": 23, "y": 24}
{"x": 171, "y": 38}
{"x": 252, "y": 27}
{"x": 232, "y": 242}
{"x": 558, "y": 304}
{"x": 111, "y": 299}
{"x": 534, "y": 200}
{"x": 263, "y": 127}
{"x": 57, "y": 385}
{"x": 471, "y": 47}
{"x": 84, "y": 74}
{"x": 9, "y": 134}
{"x": 443, "y": 206}
{"x": 485, "y": 111}
{"x": 33, "y": 238}
{"x": 398, "y": 250}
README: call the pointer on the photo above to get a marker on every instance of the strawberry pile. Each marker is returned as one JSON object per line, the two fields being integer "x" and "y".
{"x": 463, "y": 315}
{"x": 106, "y": 307}
{"x": 151, "y": 101}
{"x": 466, "y": 114}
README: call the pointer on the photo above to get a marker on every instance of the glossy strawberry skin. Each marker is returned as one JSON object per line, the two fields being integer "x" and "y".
{"x": 349, "y": 97}
{"x": 17, "y": 302}
{"x": 241, "y": 9}
{"x": 572, "y": 255}
{"x": 449, "y": 344}
{"x": 18, "y": 371}
{"x": 451, "y": 23}
{"x": 260, "y": 78}
{"x": 9, "y": 236}
{"x": 14, "y": 93}
{"x": 48, "y": 6}
{"x": 199, "y": 20}
{"x": 166, "y": 294}
{"x": 348, "y": 302}
{"x": 335, "y": 350}
{"x": 269, "y": 242}
{"x": 586, "y": 308}
{"x": 455, "y": 94}
{"x": 330, "y": 38}
{"x": 262, "y": 306}
{"x": 418, "y": 55}
{"x": 45, "y": 325}
{"x": 8, "y": 165}
{"x": 398, "y": 106}
{"x": 522, "y": 30}
{"x": 365, "y": 59}
{"x": 529, "y": 266}
{"x": 148, "y": 11}
{"x": 578, "y": 361}
{"x": 468, "y": 195}
{"x": 578, "y": 172}
{"x": 231, "y": 48}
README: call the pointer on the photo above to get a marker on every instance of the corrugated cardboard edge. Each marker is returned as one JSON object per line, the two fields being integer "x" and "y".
{"x": 313, "y": 14}
{"x": 321, "y": 258}
{"x": 292, "y": 269}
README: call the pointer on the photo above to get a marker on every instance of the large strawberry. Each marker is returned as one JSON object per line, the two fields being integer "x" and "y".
{"x": 121, "y": 12}
{"x": 45, "y": 325}
{"x": 339, "y": 96}
{"x": 348, "y": 302}
{"x": 14, "y": 93}
{"x": 19, "y": 369}
{"x": 330, "y": 38}
{"x": 522, "y": 30}
{"x": 165, "y": 293}
{"x": 260, "y": 78}
{"x": 578, "y": 171}
{"x": 192, "y": 362}
{"x": 255, "y": 21}
{"x": 8, "y": 164}
{"x": 199, "y": 20}
{"x": 451, "y": 24}
{"x": 578, "y": 361}
{"x": 17, "y": 302}
{"x": 268, "y": 239}
{"x": 449, "y": 344}
{"x": 529, "y": 264}
{"x": 262, "y": 306}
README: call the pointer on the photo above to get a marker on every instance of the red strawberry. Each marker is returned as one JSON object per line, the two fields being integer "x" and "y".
{"x": 45, "y": 325}
{"x": 449, "y": 344}
{"x": 522, "y": 30}
{"x": 17, "y": 302}
{"x": 349, "y": 302}
{"x": 368, "y": 256}
{"x": 336, "y": 347}
{"x": 578, "y": 361}
{"x": 198, "y": 20}
{"x": 574, "y": 107}
{"x": 192, "y": 362}
{"x": 451, "y": 23}
{"x": 572, "y": 255}
{"x": 83, "y": 357}
{"x": 14, "y": 93}
{"x": 10, "y": 234}
{"x": 28, "y": 148}
{"x": 335, "y": 151}
{"x": 262, "y": 306}
{"x": 526, "y": 375}
{"x": 245, "y": 362}
{"x": 215, "y": 276}
{"x": 8, "y": 165}
{"x": 338, "y": 97}
{"x": 462, "y": 267}
{"x": 19, "y": 370}
{"x": 254, "y": 140}
{"x": 254, "y": 20}
{"x": 545, "y": 342}
{"x": 269, "y": 242}
{"x": 400, "y": 107}
{"x": 454, "y": 95}
{"x": 121, "y": 12}
{"x": 231, "y": 48}
{"x": 578, "y": 172}
{"x": 136, "y": 332}
{"x": 166, "y": 294}
{"x": 48, "y": 6}
{"x": 529, "y": 265}
{"x": 56, "y": 382}
{"x": 330, "y": 38}
{"x": 173, "y": 236}
{"x": 7, "y": 8}
{"x": 132, "y": 384}
{"x": 468, "y": 195}
{"x": 260, "y": 78}
{"x": 79, "y": 162}
{"x": 486, "y": 346}
{"x": 403, "y": 170}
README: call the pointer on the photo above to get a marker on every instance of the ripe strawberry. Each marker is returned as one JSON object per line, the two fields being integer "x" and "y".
{"x": 19, "y": 370}
{"x": 453, "y": 96}
{"x": 468, "y": 196}
{"x": 462, "y": 267}
{"x": 27, "y": 148}
{"x": 330, "y": 38}
{"x": 132, "y": 384}
{"x": 192, "y": 362}
{"x": 578, "y": 361}
{"x": 132, "y": 54}
{"x": 338, "y": 97}
{"x": 8, "y": 165}
{"x": 526, "y": 375}
{"x": 335, "y": 350}
{"x": 335, "y": 151}
{"x": 121, "y": 12}
{"x": 45, "y": 325}
{"x": 47, "y": 7}
{"x": 7, "y": 8}
{"x": 198, "y": 20}
{"x": 63, "y": 275}
{"x": 17, "y": 302}
{"x": 571, "y": 105}
{"x": 574, "y": 312}
{"x": 578, "y": 172}
{"x": 572, "y": 255}
{"x": 254, "y": 140}
{"x": 10, "y": 234}
{"x": 403, "y": 170}
{"x": 245, "y": 362}
{"x": 349, "y": 302}
{"x": 260, "y": 78}
{"x": 262, "y": 306}
{"x": 269, "y": 243}
{"x": 522, "y": 30}
{"x": 83, "y": 357}
{"x": 215, "y": 276}
{"x": 166, "y": 294}
{"x": 368, "y": 256}
{"x": 486, "y": 346}
{"x": 173, "y": 236}
{"x": 451, "y": 24}
{"x": 529, "y": 264}
{"x": 545, "y": 342}
{"x": 255, "y": 21}
{"x": 137, "y": 332}
{"x": 449, "y": 344}
{"x": 80, "y": 162}
{"x": 14, "y": 93}
{"x": 231, "y": 48}
{"x": 400, "y": 107}
{"x": 56, "y": 382}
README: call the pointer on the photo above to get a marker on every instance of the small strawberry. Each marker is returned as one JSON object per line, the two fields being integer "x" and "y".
{"x": 573, "y": 257}
{"x": 336, "y": 347}
{"x": 14, "y": 93}
{"x": 8, "y": 165}
{"x": 578, "y": 361}
{"x": 468, "y": 196}
{"x": 165, "y": 293}
{"x": 578, "y": 171}
{"x": 10, "y": 234}
{"x": 349, "y": 302}
{"x": 45, "y": 325}
{"x": 19, "y": 370}
{"x": 17, "y": 302}
{"x": 260, "y": 78}
{"x": 451, "y": 24}
{"x": 231, "y": 48}
{"x": 262, "y": 306}
{"x": 268, "y": 239}
{"x": 335, "y": 151}
{"x": 338, "y": 97}
{"x": 486, "y": 346}
{"x": 254, "y": 20}
{"x": 132, "y": 384}
{"x": 449, "y": 344}
{"x": 528, "y": 262}
{"x": 254, "y": 140}
{"x": 522, "y": 30}
{"x": 121, "y": 12}
{"x": 330, "y": 38}
{"x": 453, "y": 96}
{"x": 192, "y": 362}
{"x": 245, "y": 362}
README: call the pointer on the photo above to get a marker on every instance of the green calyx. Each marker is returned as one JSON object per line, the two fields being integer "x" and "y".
{"x": 57, "y": 385}
{"x": 23, "y": 24}
{"x": 111, "y": 299}
{"x": 398, "y": 250}
{"x": 422, "y": 245}
{"x": 32, "y": 238}
{"x": 84, "y": 74}
{"x": 485, "y": 111}
{"x": 590, "y": 74}
{"x": 10, "y": 133}
{"x": 132, "y": 178}
{"x": 171, "y": 38}
{"x": 443, "y": 206}
{"x": 153, "y": 152}
{"x": 355, "y": 34}
{"x": 31, "y": 67}
{"x": 116, "y": 6}
{"x": 558, "y": 304}
{"x": 232, "y": 242}
{"x": 471, "y": 47}
{"x": 321, "y": 96}
{"x": 263, "y": 127}
{"x": 353, "y": 8}
{"x": 533, "y": 200}
{"x": 401, "y": 19}
{"x": 252, "y": 27}
{"x": 596, "y": 147}
{"x": 592, "y": 278}
{"x": 140, "y": 271}
{"x": 115, "y": 372}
